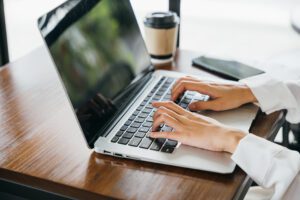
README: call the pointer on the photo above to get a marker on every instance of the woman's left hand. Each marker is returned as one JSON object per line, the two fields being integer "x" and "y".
{"x": 194, "y": 129}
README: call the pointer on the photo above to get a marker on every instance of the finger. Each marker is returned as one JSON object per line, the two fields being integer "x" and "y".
{"x": 186, "y": 78}
{"x": 168, "y": 135}
{"x": 175, "y": 108}
{"x": 166, "y": 119}
{"x": 170, "y": 105}
{"x": 175, "y": 92}
{"x": 215, "y": 105}
{"x": 163, "y": 110}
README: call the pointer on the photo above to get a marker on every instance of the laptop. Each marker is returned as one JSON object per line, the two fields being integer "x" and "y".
{"x": 101, "y": 57}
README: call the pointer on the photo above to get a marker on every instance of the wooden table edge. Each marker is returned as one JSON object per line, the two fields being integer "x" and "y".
{"x": 48, "y": 186}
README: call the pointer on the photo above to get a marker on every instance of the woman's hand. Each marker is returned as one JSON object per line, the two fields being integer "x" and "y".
{"x": 222, "y": 96}
{"x": 194, "y": 129}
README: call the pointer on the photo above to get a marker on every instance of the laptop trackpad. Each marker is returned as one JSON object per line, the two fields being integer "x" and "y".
{"x": 240, "y": 118}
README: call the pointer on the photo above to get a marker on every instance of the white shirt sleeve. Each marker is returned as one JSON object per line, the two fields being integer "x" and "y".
{"x": 274, "y": 95}
{"x": 268, "y": 164}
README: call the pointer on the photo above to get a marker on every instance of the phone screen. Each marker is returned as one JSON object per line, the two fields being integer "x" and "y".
{"x": 232, "y": 69}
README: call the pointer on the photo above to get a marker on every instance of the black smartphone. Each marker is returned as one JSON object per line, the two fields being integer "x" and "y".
{"x": 228, "y": 69}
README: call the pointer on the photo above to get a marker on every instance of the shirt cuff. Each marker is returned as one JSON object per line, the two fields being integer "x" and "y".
{"x": 268, "y": 92}
{"x": 248, "y": 155}
{"x": 268, "y": 164}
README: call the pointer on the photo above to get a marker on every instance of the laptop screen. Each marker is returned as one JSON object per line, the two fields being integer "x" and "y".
{"x": 98, "y": 50}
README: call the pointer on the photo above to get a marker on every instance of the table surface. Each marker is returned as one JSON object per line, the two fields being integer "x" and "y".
{"x": 42, "y": 146}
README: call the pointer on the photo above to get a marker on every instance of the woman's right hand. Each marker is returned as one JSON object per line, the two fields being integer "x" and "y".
{"x": 222, "y": 96}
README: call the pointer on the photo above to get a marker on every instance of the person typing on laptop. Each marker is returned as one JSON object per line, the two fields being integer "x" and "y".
{"x": 273, "y": 167}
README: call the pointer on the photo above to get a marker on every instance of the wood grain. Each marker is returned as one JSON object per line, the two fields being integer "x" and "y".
{"x": 41, "y": 144}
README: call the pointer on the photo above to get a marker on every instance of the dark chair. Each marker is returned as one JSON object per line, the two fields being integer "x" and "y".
{"x": 3, "y": 41}
{"x": 174, "y": 5}
{"x": 288, "y": 128}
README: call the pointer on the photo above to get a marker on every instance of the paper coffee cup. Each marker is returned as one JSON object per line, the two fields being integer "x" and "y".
{"x": 161, "y": 32}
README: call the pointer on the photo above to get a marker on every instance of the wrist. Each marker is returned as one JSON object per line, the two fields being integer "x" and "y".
{"x": 234, "y": 139}
{"x": 247, "y": 94}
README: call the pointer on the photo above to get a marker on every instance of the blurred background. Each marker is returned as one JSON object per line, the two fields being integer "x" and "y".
{"x": 252, "y": 29}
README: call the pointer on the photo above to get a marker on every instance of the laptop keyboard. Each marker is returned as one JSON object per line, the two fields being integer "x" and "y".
{"x": 135, "y": 132}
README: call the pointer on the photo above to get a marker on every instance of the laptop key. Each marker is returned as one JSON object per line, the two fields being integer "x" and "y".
{"x": 160, "y": 93}
{"x": 147, "y": 98}
{"x": 171, "y": 143}
{"x": 136, "y": 113}
{"x": 155, "y": 147}
{"x": 199, "y": 98}
{"x": 144, "y": 129}
{"x": 149, "y": 106}
{"x": 115, "y": 139}
{"x": 167, "y": 149}
{"x": 155, "y": 98}
{"x": 123, "y": 128}
{"x": 170, "y": 80}
{"x": 123, "y": 141}
{"x": 183, "y": 105}
{"x": 147, "y": 124}
{"x": 128, "y": 135}
{"x": 147, "y": 111}
{"x": 161, "y": 90}
{"x": 146, "y": 143}
{"x": 132, "y": 117}
{"x": 128, "y": 122}
{"x": 166, "y": 129}
{"x": 139, "y": 108}
{"x": 165, "y": 86}
{"x": 140, "y": 134}
{"x": 140, "y": 120}
{"x": 168, "y": 96}
{"x": 135, "y": 125}
{"x": 157, "y": 144}
{"x": 161, "y": 140}
{"x": 149, "y": 119}
{"x": 119, "y": 133}
{"x": 132, "y": 130}
{"x": 143, "y": 115}
{"x": 135, "y": 142}
{"x": 186, "y": 101}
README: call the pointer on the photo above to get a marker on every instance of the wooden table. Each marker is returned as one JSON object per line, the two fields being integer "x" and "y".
{"x": 42, "y": 147}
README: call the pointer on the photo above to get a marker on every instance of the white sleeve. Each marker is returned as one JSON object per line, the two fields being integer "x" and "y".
{"x": 273, "y": 95}
{"x": 268, "y": 164}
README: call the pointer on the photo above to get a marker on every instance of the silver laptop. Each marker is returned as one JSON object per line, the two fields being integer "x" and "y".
{"x": 104, "y": 66}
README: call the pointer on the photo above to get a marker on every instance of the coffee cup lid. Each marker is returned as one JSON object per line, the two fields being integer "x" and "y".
{"x": 161, "y": 20}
